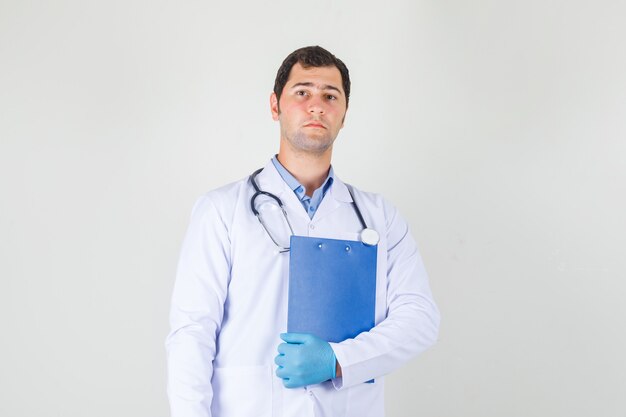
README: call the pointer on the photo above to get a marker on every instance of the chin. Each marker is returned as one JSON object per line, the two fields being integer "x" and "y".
{"x": 311, "y": 143}
{"x": 313, "y": 147}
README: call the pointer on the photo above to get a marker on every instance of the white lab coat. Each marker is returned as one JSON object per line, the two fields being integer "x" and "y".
{"x": 229, "y": 306}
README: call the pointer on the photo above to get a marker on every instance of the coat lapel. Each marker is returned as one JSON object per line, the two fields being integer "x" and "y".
{"x": 336, "y": 197}
{"x": 270, "y": 180}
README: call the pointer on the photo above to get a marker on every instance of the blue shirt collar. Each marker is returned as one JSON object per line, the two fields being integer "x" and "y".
{"x": 293, "y": 183}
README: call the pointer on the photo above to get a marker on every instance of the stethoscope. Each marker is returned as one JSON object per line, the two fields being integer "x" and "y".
{"x": 368, "y": 236}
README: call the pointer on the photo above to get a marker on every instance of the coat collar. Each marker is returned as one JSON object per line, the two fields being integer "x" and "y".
{"x": 270, "y": 180}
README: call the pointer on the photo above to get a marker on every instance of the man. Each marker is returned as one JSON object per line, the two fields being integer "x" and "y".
{"x": 228, "y": 351}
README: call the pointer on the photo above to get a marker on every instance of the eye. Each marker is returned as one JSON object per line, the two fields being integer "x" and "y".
{"x": 331, "y": 97}
{"x": 301, "y": 93}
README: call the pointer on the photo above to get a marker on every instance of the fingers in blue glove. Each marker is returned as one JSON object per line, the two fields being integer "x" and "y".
{"x": 285, "y": 348}
{"x": 304, "y": 360}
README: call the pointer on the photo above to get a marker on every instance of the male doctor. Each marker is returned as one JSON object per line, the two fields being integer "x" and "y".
{"x": 228, "y": 351}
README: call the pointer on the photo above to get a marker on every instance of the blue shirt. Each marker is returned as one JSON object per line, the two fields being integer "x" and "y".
{"x": 310, "y": 204}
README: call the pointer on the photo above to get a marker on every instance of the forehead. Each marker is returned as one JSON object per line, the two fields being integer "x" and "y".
{"x": 317, "y": 75}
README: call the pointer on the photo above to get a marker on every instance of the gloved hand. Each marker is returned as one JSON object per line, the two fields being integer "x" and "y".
{"x": 304, "y": 360}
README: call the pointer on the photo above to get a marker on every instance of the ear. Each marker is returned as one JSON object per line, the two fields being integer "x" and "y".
{"x": 274, "y": 106}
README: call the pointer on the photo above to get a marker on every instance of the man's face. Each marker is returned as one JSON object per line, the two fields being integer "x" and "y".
{"x": 312, "y": 108}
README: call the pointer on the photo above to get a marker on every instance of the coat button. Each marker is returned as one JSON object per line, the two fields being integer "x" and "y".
{"x": 311, "y": 226}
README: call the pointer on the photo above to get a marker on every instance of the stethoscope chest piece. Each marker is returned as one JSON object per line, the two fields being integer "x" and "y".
{"x": 369, "y": 237}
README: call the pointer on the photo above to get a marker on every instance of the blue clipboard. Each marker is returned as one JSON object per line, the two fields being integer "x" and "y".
{"x": 332, "y": 287}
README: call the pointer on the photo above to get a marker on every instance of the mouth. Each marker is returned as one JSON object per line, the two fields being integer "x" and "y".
{"x": 316, "y": 125}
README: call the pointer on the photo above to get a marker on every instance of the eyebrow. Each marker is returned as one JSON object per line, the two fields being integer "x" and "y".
{"x": 322, "y": 87}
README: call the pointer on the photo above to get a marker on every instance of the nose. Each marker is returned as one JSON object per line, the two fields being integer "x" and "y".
{"x": 316, "y": 105}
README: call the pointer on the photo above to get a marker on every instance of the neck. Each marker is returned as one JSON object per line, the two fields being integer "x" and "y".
{"x": 311, "y": 170}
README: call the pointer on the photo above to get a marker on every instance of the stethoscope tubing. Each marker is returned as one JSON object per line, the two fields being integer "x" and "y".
{"x": 258, "y": 192}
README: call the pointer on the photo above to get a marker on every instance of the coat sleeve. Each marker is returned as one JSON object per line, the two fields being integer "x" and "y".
{"x": 196, "y": 313}
{"x": 412, "y": 322}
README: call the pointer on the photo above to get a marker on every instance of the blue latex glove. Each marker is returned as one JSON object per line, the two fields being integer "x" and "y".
{"x": 304, "y": 360}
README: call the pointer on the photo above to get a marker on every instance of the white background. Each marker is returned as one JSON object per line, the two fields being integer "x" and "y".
{"x": 497, "y": 127}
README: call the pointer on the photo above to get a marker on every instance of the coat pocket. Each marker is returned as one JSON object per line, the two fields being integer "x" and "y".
{"x": 242, "y": 391}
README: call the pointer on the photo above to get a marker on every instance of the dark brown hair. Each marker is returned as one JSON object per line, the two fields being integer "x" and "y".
{"x": 311, "y": 56}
